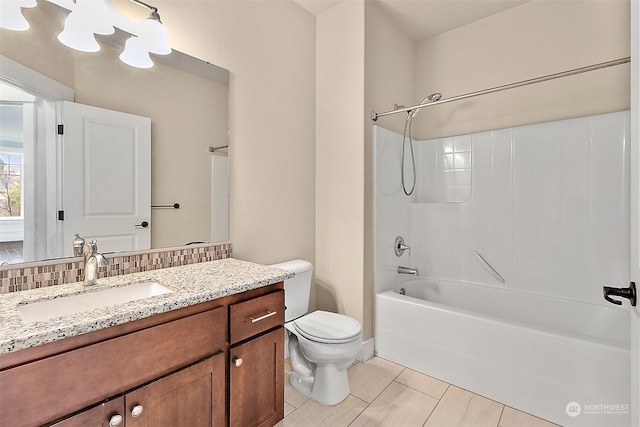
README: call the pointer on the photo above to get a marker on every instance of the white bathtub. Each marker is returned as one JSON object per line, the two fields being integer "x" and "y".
{"x": 531, "y": 352}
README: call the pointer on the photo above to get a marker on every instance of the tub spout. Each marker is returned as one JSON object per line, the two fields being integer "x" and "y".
{"x": 408, "y": 270}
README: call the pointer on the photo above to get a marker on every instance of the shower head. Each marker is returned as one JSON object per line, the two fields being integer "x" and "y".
{"x": 431, "y": 98}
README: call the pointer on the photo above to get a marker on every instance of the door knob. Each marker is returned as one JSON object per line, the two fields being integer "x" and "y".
{"x": 237, "y": 361}
{"x": 115, "y": 420}
{"x": 143, "y": 224}
{"x": 629, "y": 293}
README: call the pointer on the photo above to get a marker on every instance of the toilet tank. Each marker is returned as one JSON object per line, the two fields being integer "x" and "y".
{"x": 297, "y": 289}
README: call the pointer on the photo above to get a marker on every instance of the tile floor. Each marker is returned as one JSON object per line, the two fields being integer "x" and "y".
{"x": 386, "y": 394}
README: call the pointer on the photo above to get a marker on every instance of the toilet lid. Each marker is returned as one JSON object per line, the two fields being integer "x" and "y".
{"x": 325, "y": 327}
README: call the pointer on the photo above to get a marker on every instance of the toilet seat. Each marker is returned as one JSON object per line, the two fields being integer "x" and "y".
{"x": 329, "y": 328}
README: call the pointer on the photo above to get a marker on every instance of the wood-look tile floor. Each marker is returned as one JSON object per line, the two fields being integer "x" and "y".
{"x": 387, "y": 394}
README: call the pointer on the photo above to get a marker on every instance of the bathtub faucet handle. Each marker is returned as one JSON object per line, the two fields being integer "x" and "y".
{"x": 399, "y": 246}
{"x": 629, "y": 293}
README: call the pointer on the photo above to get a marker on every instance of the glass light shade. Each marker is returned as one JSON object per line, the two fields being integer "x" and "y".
{"x": 80, "y": 40}
{"x": 136, "y": 54}
{"x": 90, "y": 16}
{"x": 67, "y": 4}
{"x": 155, "y": 37}
{"x": 11, "y": 14}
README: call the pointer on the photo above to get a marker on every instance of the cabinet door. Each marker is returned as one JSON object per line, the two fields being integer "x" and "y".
{"x": 191, "y": 397}
{"x": 107, "y": 414}
{"x": 256, "y": 378}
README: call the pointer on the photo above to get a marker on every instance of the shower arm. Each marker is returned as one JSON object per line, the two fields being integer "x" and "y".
{"x": 375, "y": 116}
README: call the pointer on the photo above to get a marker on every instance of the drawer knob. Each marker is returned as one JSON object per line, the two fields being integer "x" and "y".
{"x": 264, "y": 316}
{"x": 115, "y": 420}
{"x": 237, "y": 361}
{"x": 136, "y": 411}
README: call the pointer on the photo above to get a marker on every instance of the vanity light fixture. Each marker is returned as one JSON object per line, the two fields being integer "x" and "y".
{"x": 11, "y": 17}
{"x": 90, "y": 17}
{"x": 87, "y": 18}
{"x": 135, "y": 53}
{"x": 151, "y": 38}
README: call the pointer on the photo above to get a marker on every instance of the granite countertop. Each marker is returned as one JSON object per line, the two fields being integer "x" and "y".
{"x": 192, "y": 284}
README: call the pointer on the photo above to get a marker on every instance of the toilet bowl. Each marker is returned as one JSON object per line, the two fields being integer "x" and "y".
{"x": 320, "y": 357}
{"x": 322, "y": 345}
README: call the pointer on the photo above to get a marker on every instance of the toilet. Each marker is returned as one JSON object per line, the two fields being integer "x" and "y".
{"x": 322, "y": 345}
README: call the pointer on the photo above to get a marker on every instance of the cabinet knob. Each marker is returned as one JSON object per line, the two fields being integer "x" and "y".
{"x": 115, "y": 420}
{"x": 136, "y": 411}
{"x": 237, "y": 361}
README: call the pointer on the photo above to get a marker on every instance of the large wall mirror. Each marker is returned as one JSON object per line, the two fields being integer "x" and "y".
{"x": 186, "y": 100}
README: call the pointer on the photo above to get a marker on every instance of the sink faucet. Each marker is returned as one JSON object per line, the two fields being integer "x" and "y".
{"x": 92, "y": 260}
{"x": 408, "y": 270}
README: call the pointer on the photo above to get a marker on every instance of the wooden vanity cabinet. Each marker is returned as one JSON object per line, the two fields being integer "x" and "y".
{"x": 51, "y": 387}
{"x": 191, "y": 397}
{"x": 99, "y": 416}
{"x": 256, "y": 361}
{"x": 174, "y": 365}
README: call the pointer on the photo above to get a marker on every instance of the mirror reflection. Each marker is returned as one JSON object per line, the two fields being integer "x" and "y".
{"x": 186, "y": 102}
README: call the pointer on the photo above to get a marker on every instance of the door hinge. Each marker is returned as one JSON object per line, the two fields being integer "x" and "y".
{"x": 60, "y": 215}
{"x": 60, "y": 129}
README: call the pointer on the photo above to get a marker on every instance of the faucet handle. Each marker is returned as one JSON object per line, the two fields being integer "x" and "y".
{"x": 399, "y": 246}
{"x": 78, "y": 245}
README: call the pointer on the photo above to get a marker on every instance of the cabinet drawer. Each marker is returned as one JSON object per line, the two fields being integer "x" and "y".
{"x": 70, "y": 381}
{"x": 256, "y": 315}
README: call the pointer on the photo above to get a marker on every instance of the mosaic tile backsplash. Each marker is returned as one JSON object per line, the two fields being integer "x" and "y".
{"x": 57, "y": 272}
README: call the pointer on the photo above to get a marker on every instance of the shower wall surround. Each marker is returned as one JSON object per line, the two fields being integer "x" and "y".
{"x": 547, "y": 207}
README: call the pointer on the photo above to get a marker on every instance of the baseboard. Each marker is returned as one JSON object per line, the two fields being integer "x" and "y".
{"x": 366, "y": 352}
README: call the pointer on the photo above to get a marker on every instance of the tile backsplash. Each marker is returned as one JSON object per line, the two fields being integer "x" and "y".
{"x": 57, "y": 272}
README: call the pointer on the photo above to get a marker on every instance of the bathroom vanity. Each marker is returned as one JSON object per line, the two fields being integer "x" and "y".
{"x": 203, "y": 355}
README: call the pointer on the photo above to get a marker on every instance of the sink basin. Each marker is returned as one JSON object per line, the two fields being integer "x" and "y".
{"x": 45, "y": 310}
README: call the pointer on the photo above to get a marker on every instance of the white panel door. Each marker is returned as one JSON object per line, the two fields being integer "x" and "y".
{"x": 106, "y": 178}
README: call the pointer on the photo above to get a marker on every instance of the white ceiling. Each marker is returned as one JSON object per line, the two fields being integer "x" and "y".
{"x": 425, "y": 18}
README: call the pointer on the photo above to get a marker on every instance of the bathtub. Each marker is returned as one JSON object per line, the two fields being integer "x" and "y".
{"x": 538, "y": 354}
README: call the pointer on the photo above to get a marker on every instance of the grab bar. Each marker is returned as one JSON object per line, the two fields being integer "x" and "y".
{"x": 488, "y": 267}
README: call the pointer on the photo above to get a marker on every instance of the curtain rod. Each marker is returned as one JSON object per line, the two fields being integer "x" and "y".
{"x": 375, "y": 116}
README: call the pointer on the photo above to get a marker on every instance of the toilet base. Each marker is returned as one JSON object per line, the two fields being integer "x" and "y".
{"x": 329, "y": 386}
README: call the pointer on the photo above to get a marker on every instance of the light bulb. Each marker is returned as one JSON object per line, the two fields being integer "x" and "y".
{"x": 136, "y": 54}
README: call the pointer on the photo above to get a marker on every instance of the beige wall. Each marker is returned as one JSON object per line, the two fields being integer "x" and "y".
{"x": 269, "y": 48}
{"x": 300, "y": 97}
{"x": 188, "y": 114}
{"x": 389, "y": 78}
{"x": 535, "y": 39}
{"x": 340, "y": 120}
{"x": 51, "y": 59}
{"x": 538, "y": 38}
{"x": 390, "y": 65}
